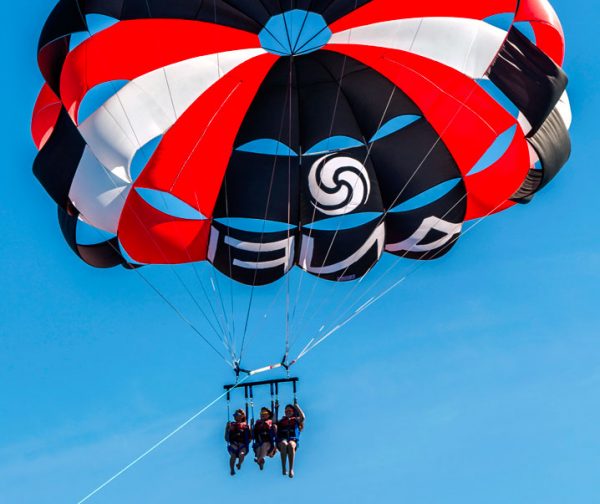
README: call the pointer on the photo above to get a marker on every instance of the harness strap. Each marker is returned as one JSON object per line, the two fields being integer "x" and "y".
{"x": 251, "y": 406}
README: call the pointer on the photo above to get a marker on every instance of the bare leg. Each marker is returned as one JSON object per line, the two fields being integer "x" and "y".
{"x": 291, "y": 456}
{"x": 283, "y": 446}
{"x": 261, "y": 454}
{"x": 241, "y": 458}
{"x": 232, "y": 458}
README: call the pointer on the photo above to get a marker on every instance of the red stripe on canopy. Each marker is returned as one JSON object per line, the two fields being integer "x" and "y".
{"x": 549, "y": 34}
{"x": 378, "y": 11}
{"x": 467, "y": 118}
{"x": 152, "y": 237}
{"x": 45, "y": 114}
{"x": 489, "y": 190}
{"x": 133, "y": 48}
{"x": 191, "y": 160}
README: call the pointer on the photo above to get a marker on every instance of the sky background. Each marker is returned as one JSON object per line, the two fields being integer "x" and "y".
{"x": 474, "y": 381}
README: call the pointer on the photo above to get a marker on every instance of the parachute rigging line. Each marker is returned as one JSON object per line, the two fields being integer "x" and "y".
{"x": 386, "y": 211}
{"x": 312, "y": 293}
{"x": 368, "y": 154}
{"x": 177, "y": 311}
{"x": 344, "y": 95}
{"x": 390, "y": 268}
{"x": 153, "y": 287}
{"x": 399, "y": 195}
{"x": 172, "y": 269}
{"x": 159, "y": 443}
{"x": 418, "y": 265}
{"x": 229, "y": 333}
{"x": 288, "y": 99}
{"x": 289, "y": 213}
{"x": 320, "y": 190}
{"x": 232, "y": 334}
{"x": 450, "y": 122}
{"x": 222, "y": 319}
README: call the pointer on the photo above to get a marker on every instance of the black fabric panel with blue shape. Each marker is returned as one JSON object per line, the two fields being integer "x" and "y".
{"x": 57, "y": 162}
{"x": 251, "y": 258}
{"x": 342, "y": 254}
{"x": 428, "y": 231}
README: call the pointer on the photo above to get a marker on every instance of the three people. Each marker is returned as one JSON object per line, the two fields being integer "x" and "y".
{"x": 268, "y": 437}
{"x": 238, "y": 436}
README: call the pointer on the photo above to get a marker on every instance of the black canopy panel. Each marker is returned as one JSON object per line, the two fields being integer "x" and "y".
{"x": 250, "y": 257}
{"x": 260, "y": 186}
{"x": 57, "y": 162}
{"x": 100, "y": 255}
{"x": 338, "y": 184}
{"x": 430, "y": 231}
{"x": 530, "y": 79}
{"x": 343, "y": 254}
{"x": 552, "y": 145}
{"x": 411, "y": 161}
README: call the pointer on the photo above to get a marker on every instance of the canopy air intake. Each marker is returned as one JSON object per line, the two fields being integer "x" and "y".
{"x": 295, "y": 32}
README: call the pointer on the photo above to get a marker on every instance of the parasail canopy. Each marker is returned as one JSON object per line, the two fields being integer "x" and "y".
{"x": 308, "y": 133}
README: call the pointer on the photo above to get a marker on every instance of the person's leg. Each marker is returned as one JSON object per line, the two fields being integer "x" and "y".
{"x": 291, "y": 457}
{"x": 232, "y": 457}
{"x": 261, "y": 454}
{"x": 283, "y": 446}
{"x": 241, "y": 457}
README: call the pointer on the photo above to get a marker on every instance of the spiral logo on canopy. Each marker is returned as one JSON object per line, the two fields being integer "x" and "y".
{"x": 338, "y": 185}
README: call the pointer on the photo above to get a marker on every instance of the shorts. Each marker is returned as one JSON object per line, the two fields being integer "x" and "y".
{"x": 237, "y": 449}
{"x": 287, "y": 440}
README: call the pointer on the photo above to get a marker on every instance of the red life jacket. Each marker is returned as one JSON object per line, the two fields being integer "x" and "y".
{"x": 263, "y": 431}
{"x": 239, "y": 432}
{"x": 288, "y": 428}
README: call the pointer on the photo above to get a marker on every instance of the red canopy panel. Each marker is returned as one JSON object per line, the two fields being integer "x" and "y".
{"x": 152, "y": 237}
{"x": 45, "y": 114}
{"x": 489, "y": 191}
{"x": 191, "y": 160}
{"x": 467, "y": 119}
{"x": 133, "y": 48}
{"x": 387, "y": 10}
{"x": 549, "y": 34}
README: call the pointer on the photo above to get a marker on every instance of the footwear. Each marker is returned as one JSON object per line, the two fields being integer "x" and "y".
{"x": 232, "y": 472}
{"x": 261, "y": 464}
{"x": 291, "y": 474}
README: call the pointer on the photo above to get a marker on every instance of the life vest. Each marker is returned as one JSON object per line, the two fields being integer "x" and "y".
{"x": 263, "y": 431}
{"x": 288, "y": 429}
{"x": 239, "y": 432}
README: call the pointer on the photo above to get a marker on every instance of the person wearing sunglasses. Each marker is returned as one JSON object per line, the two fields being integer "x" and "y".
{"x": 288, "y": 434}
{"x": 238, "y": 437}
{"x": 264, "y": 435}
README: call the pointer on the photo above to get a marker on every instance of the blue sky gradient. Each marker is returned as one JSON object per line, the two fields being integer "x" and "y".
{"x": 475, "y": 381}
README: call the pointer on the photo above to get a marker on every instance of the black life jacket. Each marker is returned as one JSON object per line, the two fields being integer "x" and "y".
{"x": 288, "y": 428}
{"x": 239, "y": 432}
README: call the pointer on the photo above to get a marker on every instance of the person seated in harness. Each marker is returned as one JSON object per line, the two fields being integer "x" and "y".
{"x": 288, "y": 434}
{"x": 264, "y": 435}
{"x": 238, "y": 437}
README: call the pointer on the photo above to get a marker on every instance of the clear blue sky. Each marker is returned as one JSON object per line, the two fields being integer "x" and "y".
{"x": 474, "y": 382}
